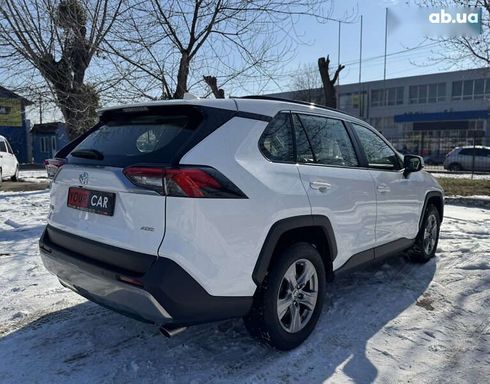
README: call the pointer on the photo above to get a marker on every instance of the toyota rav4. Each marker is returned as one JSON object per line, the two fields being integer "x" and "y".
{"x": 189, "y": 211}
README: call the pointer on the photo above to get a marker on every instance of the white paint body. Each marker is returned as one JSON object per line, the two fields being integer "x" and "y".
{"x": 218, "y": 241}
{"x": 8, "y": 161}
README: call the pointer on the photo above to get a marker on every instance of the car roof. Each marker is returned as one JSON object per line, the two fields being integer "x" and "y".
{"x": 256, "y": 104}
{"x": 2, "y": 138}
{"x": 473, "y": 146}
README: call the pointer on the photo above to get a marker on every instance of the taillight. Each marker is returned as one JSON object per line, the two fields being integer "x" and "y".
{"x": 53, "y": 166}
{"x": 201, "y": 182}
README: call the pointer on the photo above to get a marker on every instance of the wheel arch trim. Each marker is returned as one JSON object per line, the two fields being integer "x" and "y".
{"x": 428, "y": 196}
{"x": 282, "y": 226}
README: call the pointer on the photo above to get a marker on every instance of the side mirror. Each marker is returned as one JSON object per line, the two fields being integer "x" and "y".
{"x": 412, "y": 163}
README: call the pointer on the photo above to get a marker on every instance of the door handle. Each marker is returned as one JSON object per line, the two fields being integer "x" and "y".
{"x": 383, "y": 188}
{"x": 320, "y": 185}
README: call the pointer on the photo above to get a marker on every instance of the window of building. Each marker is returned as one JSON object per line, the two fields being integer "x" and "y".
{"x": 44, "y": 144}
{"x": 432, "y": 93}
{"x": 468, "y": 89}
{"x": 413, "y": 94}
{"x": 441, "y": 92}
{"x": 392, "y": 96}
{"x": 53, "y": 143}
{"x": 457, "y": 90}
{"x": 422, "y": 94}
{"x": 479, "y": 89}
{"x": 376, "y": 97}
{"x": 276, "y": 143}
{"x": 471, "y": 89}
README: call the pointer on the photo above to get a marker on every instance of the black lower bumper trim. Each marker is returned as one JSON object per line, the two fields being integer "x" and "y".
{"x": 185, "y": 300}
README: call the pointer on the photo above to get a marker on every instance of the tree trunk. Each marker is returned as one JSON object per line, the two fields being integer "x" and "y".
{"x": 212, "y": 83}
{"x": 78, "y": 107}
{"x": 329, "y": 83}
{"x": 182, "y": 76}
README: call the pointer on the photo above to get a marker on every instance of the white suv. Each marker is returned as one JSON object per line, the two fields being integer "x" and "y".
{"x": 9, "y": 166}
{"x": 188, "y": 211}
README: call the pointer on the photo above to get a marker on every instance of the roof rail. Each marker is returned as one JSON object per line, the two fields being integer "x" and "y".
{"x": 258, "y": 97}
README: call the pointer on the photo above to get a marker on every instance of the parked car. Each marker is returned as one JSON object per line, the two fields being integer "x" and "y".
{"x": 434, "y": 159}
{"x": 468, "y": 158}
{"x": 188, "y": 211}
{"x": 9, "y": 166}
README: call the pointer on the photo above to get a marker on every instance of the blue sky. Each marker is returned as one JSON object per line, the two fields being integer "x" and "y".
{"x": 323, "y": 40}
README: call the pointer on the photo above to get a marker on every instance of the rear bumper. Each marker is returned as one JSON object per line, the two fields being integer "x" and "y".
{"x": 163, "y": 294}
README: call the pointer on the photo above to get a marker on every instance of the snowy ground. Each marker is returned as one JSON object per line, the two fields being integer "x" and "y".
{"x": 452, "y": 175}
{"x": 397, "y": 323}
{"x": 34, "y": 175}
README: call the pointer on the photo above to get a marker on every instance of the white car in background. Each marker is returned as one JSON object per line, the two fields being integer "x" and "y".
{"x": 9, "y": 166}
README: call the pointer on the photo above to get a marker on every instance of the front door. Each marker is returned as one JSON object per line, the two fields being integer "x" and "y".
{"x": 398, "y": 197}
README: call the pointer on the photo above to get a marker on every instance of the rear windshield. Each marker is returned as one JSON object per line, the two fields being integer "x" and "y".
{"x": 135, "y": 139}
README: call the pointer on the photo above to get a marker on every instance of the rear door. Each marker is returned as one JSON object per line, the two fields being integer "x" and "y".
{"x": 336, "y": 186}
{"x": 91, "y": 197}
{"x": 399, "y": 198}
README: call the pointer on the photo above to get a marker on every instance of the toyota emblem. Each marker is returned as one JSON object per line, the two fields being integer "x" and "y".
{"x": 83, "y": 178}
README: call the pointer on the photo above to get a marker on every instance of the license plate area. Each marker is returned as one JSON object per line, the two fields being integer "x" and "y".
{"x": 89, "y": 200}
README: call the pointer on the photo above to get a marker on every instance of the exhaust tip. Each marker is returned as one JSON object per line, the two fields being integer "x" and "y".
{"x": 170, "y": 331}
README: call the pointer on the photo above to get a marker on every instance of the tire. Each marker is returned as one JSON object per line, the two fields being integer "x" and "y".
{"x": 289, "y": 331}
{"x": 15, "y": 177}
{"x": 428, "y": 237}
{"x": 455, "y": 167}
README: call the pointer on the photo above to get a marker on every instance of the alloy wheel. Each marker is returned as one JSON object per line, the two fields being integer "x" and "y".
{"x": 430, "y": 234}
{"x": 297, "y": 296}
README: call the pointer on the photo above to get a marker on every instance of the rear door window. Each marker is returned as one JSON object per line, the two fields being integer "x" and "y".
{"x": 467, "y": 152}
{"x": 3, "y": 147}
{"x": 328, "y": 139}
{"x": 136, "y": 139}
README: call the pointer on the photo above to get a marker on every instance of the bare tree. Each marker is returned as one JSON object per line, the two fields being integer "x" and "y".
{"x": 328, "y": 81}
{"x": 307, "y": 84}
{"x": 460, "y": 49}
{"x": 58, "y": 41}
{"x": 163, "y": 48}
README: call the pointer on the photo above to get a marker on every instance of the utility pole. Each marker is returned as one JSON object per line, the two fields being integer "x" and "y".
{"x": 40, "y": 109}
{"x": 338, "y": 61}
{"x": 360, "y": 69}
{"x": 386, "y": 47}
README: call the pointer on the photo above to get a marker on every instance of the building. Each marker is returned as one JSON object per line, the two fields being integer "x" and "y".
{"x": 47, "y": 139}
{"x": 426, "y": 114}
{"x": 13, "y": 123}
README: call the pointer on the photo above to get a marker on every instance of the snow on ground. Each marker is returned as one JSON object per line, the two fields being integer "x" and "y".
{"x": 453, "y": 175}
{"x": 399, "y": 322}
{"x": 34, "y": 175}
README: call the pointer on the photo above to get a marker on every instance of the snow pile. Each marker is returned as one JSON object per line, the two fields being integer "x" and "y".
{"x": 399, "y": 322}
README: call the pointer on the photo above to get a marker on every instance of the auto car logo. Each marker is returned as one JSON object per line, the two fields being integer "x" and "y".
{"x": 83, "y": 178}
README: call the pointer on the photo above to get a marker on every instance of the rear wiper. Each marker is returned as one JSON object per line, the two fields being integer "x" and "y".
{"x": 92, "y": 154}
